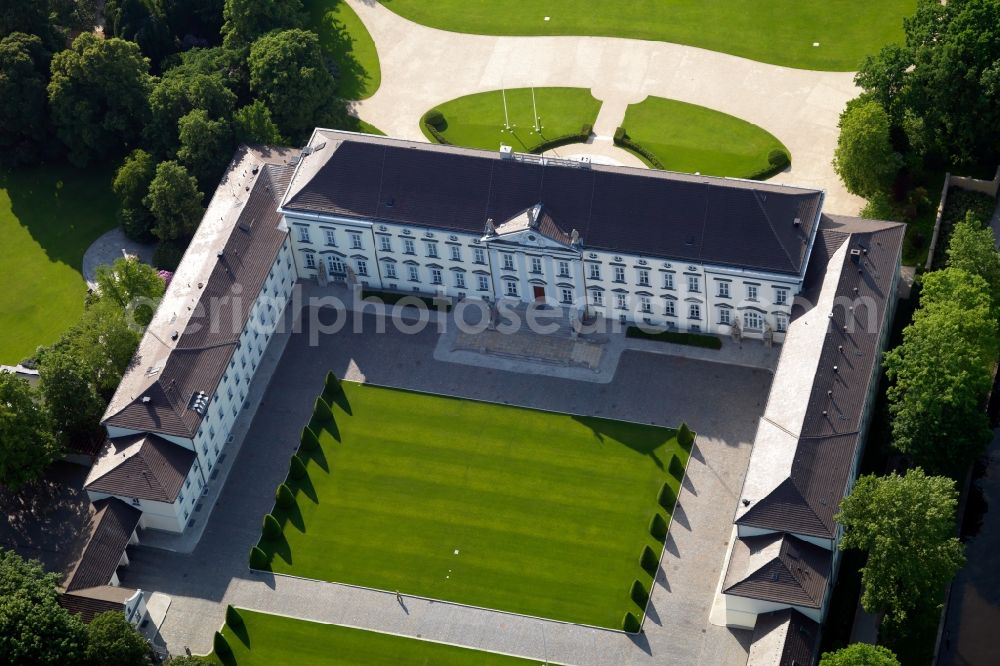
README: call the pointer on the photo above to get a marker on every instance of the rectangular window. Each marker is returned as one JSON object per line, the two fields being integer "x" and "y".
{"x": 460, "y": 280}
{"x": 478, "y": 255}
{"x": 723, "y": 290}
{"x": 751, "y": 292}
{"x": 408, "y": 246}
{"x": 597, "y": 297}
{"x": 536, "y": 265}
{"x": 355, "y": 241}
{"x": 724, "y": 316}
{"x": 484, "y": 283}
{"x": 362, "y": 267}
{"x": 310, "y": 260}
{"x": 781, "y": 322}
{"x": 456, "y": 253}
{"x": 331, "y": 239}
{"x": 644, "y": 304}
{"x": 511, "y": 288}
{"x": 508, "y": 262}
{"x": 621, "y": 301}
{"x": 563, "y": 269}
{"x": 595, "y": 271}
{"x": 642, "y": 277}
{"x": 436, "y": 276}
{"x": 668, "y": 280}
{"x": 619, "y": 274}
{"x": 390, "y": 271}
{"x": 414, "y": 273}
{"x": 385, "y": 243}
{"x": 694, "y": 284}
{"x": 303, "y": 234}
{"x": 780, "y": 296}
{"x": 432, "y": 249}
{"x": 668, "y": 308}
{"x": 694, "y": 311}
{"x": 567, "y": 295}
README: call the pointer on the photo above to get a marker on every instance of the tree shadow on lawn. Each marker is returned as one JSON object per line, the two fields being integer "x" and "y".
{"x": 241, "y": 632}
{"x": 638, "y": 437}
{"x": 305, "y": 485}
{"x": 337, "y": 42}
{"x": 279, "y": 547}
{"x": 339, "y": 398}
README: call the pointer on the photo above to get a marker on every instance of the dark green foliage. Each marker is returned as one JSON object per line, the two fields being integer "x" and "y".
{"x": 284, "y": 497}
{"x": 619, "y": 135}
{"x": 253, "y": 125}
{"x": 168, "y": 254}
{"x": 778, "y": 158}
{"x": 180, "y": 91}
{"x": 393, "y": 297}
{"x": 112, "y": 641}
{"x": 685, "y": 437}
{"x": 296, "y": 468}
{"x": 98, "y": 97}
{"x": 24, "y": 69}
{"x": 860, "y": 654}
{"x": 692, "y": 339}
{"x": 331, "y": 386}
{"x": 621, "y": 138}
{"x": 27, "y": 446}
{"x": 658, "y": 527}
{"x": 586, "y": 130}
{"x": 174, "y": 201}
{"x": 271, "y": 529}
{"x": 206, "y": 147}
{"x": 321, "y": 411}
{"x": 638, "y": 594}
{"x": 133, "y": 286}
{"x": 310, "y": 442}
{"x": 233, "y": 617}
{"x": 221, "y": 646}
{"x": 630, "y": 624}
{"x": 258, "y": 559}
{"x": 648, "y": 561}
{"x": 865, "y": 159}
{"x": 666, "y": 497}
{"x": 435, "y": 119}
{"x": 246, "y": 20}
{"x": 71, "y": 401}
{"x": 676, "y": 467}
{"x": 189, "y": 660}
{"x": 144, "y": 23}
{"x": 131, "y": 184}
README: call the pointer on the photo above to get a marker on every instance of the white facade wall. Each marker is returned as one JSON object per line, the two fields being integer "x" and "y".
{"x": 171, "y": 517}
{"x": 742, "y": 612}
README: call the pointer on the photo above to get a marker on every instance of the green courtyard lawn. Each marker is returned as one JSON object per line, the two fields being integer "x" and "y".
{"x": 267, "y": 640}
{"x": 477, "y": 121}
{"x": 781, "y": 32}
{"x": 345, "y": 39}
{"x": 48, "y": 217}
{"x": 501, "y": 507}
{"x": 690, "y": 138}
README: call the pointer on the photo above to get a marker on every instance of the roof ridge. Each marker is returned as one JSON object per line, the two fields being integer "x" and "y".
{"x": 767, "y": 218}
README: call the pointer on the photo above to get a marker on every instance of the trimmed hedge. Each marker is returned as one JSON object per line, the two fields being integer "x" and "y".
{"x": 221, "y": 646}
{"x": 271, "y": 528}
{"x": 296, "y": 468}
{"x": 284, "y": 497}
{"x": 630, "y": 624}
{"x": 685, "y": 437}
{"x": 667, "y": 498}
{"x": 648, "y": 561}
{"x": 233, "y": 617}
{"x": 777, "y": 161}
{"x": 676, "y": 467}
{"x": 690, "y": 339}
{"x": 258, "y": 559}
{"x": 658, "y": 527}
{"x": 310, "y": 442}
{"x": 638, "y": 594}
{"x": 393, "y": 297}
{"x": 623, "y": 140}
{"x": 434, "y": 118}
{"x": 322, "y": 412}
{"x": 432, "y": 124}
{"x": 332, "y": 384}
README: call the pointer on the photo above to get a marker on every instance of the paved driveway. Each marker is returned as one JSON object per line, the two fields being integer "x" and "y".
{"x": 422, "y": 67}
{"x": 720, "y": 402}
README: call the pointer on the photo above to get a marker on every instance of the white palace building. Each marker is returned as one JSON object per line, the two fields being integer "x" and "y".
{"x": 683, "y": 252}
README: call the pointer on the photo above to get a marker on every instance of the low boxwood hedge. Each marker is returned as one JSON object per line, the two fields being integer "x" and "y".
{"x": 233, "y": 617}
{"x": 393, "y": 297}
{"x": 666, "y": 498}
{"x": 658, "y": 527}
{"x": 630, "y": 624}
{"x": 284, "y": 497}
{"x": 271, "y": 529}
{"x": 691, "y": 339}
{"x": 648, "y": 561}
{"x": 622, "y": 139}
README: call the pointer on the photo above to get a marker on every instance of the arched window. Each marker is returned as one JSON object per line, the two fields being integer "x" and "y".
{"x": 335, "y": 265}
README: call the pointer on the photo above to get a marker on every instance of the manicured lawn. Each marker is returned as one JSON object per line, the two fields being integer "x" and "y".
{"x": 477, "y": 121}
{"x": 344, "y": 37}
{"x": 781, "y": 32}
{"x": 690, "y": 138}
{"x": 48, "y": 218}
{"x": 267, "y": 640}
{"x": 501, "y": 507}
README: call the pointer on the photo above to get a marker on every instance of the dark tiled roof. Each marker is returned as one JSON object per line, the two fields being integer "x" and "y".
{"x": 144, "y": 466}
{"x": 88, "y": 603}
{"x": 778, "y": 568}
{"x": 784, "y": 638}
{"x": 806, "y": 502}
{"x": 652, "y": 213}
{"x": 198, "y": 359}
{"x": 113, "y": 525}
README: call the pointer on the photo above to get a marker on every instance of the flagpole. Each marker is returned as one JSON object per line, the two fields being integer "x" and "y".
{"x": 534, "y": 110}
{"x": 506, "y": 118}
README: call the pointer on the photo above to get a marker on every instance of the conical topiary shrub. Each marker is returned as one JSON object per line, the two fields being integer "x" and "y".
{"x": 332, "y": 385}
{"x": 310, "y": 442}
{"x": 676, "y": 467}
{"x": 284, "y": 497}
{"x": 296, "y": 468}
{"x": 258, "y": 558}
{"x": 321, "y": 412}
{"x": 638, "y": 594}
{"x": 658, "y": 527}
{"x": 648, "y": 561}
{"x": 221, "y": 645}
{"x": 271, "y": 528}
{"x": 630, "y": 623}
{"x": 233, "y": 617}
{"x": 684, "y": 436}
{"x": 666, "y": 498}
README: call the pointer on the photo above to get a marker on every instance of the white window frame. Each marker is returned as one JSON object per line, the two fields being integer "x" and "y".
{"x": 642, "y": 277}
{"x": 484, "y": 283}
{"x": 356, "y": 240}
{"x": 536, "y": 265}
{"x": 310, "y": 260}
{"x": 436, "y": 277}
{"x": 304, "y": 234}
{"x": 331, "y": 237}
{"x": 510, "y": 288}
{"x": 668, "y": 280}
{"x": 385, "y": 243}
{"x": 478, "y": 255}
{"x": 694, "y": 283}
{"x": 595, "y": 271}
{"x": 460, "y": 279}
{"x": 408, "y": 246}
{"x": 456, "y": 253}
{"x": 619, "y": 274}
{"x": 508, "y": 262}
{"x": 723, "y": 290}
{"x": 563, "y": 268}
{"x": 413, "y": 273}
{"x": 597, "y": 297}
{"x": 694, "y": 311}
{"x": 390, "y": 270}
{"x": 621, "y": 301}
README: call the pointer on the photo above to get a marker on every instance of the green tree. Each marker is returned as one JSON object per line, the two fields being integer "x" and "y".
{"x": 253, "y": 125}
{"x": 864, "y": 158}
{"x": 288, "y": 73}
{"x": 206, "y": 147}
{"x": 112, "y": 641}
{"x": 131, "y": 285}
{"x": 24, "y": 67}
{"x": 103, "y": 341}
{"x": 972, "y": 248}
{"x": 907, "y": 525}
{"x": 34, "y": 628}
{"x": 30, "y": 17}
{"x": 194, "y": 21}
{"x": 27, "y": 446}
{"x": 884, "y": 78}
{"x": 131, "y": 184}
{"x": 71, "y": 401}
{"x": 246, "y": 20}
{"x": 98, "y": 96}
{"x": 143, "y": 22}
{"x": 180, "y": 91}
{"x": 174, "y": 201}
{"x": 860, "y": 654}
